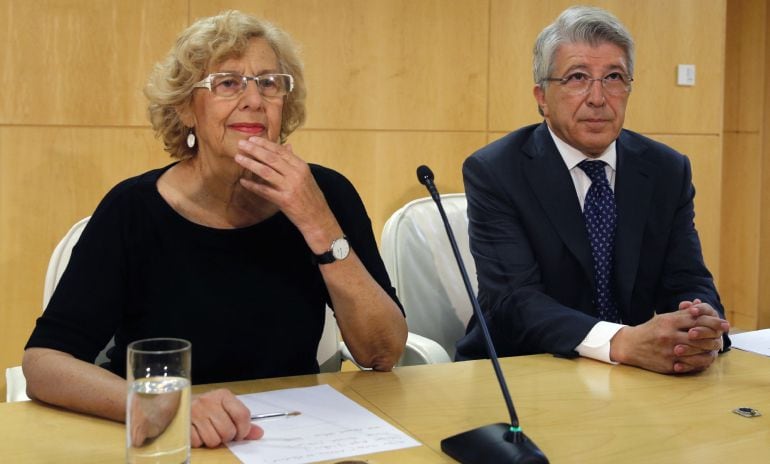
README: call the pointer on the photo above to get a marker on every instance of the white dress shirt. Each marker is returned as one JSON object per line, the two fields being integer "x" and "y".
{"x": 596, "y": 345}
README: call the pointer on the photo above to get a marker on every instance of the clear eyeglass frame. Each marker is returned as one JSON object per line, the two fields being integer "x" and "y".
{"x": 616, "y": 83}
{"x": 231, "y": 85}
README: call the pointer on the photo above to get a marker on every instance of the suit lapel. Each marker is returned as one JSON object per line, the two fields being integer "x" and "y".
{"x": 552, "y": 184}
{"x": 634, "y": 185}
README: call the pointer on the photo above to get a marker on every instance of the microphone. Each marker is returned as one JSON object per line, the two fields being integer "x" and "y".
{"x": 499, "y": 442}
{"x": 425, "y": 176}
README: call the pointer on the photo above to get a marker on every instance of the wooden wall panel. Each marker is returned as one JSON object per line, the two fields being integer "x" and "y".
{"x": 512, "y": 30}
{"x": 385, "y": 65}
{"x": 382, "y": 164}
{"x": 741, "y": 218}
{"x": 763, "y": 308}
{"x": 745, "y": 244}
{"x": 82, "y": 62}
{"x": 745, "y": 65}
{"x": 666, "y": 33}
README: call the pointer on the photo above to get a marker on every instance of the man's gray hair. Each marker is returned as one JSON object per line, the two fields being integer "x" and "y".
{"x": 579, "y": 24}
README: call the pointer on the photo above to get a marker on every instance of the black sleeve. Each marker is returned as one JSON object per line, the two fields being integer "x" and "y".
{"x": 86, "y": 307}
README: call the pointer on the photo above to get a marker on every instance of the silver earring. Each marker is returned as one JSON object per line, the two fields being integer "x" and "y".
{"x": 191, "y": 139}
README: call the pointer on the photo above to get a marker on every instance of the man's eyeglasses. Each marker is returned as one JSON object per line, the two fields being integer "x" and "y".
{"x": 579, "y": 83}
{"x": 229, "y": 85}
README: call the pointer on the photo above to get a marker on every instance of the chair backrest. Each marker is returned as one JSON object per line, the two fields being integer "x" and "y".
{"x": 329, "y": 356}
{"x": 60, "y": 257}
{"x": 420, "y": 262}
{"x": 15, "y": 385}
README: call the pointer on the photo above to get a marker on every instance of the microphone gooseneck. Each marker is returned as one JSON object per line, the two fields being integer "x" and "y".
{"x": 425, "y": 176}
{"x": 497, "y": 442}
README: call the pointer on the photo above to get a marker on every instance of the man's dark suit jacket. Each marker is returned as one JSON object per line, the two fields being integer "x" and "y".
{"x": 532, "y": 252}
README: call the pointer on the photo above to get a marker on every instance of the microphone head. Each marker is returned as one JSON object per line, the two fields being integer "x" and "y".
{"x": 424, "y": 175}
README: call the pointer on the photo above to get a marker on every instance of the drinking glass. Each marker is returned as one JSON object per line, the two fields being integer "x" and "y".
{"x": 158, "y": 406}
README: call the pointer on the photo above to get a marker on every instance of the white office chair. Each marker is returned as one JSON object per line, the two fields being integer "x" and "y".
{"x": 420, "y": 262}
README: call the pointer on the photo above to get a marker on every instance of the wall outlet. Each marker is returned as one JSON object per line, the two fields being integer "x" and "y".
{"x": 685, "y": 75}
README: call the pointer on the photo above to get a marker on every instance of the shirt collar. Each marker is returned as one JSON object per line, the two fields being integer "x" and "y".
{"x": 572, "y": 156}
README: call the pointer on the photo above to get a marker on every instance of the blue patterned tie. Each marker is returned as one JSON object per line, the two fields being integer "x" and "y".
{"x": 601, "y": 218}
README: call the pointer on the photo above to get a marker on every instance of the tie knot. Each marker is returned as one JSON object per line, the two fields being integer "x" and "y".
{"x": 594, "y": 170}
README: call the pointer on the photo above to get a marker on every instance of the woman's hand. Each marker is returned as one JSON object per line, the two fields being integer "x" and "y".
{"x": 284, "y": 179}
{"x": 219, "y": 417}
{"x": 150, "y": 415}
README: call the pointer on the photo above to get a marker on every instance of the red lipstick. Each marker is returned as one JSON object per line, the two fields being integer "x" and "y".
{"x": 248, "y": 128}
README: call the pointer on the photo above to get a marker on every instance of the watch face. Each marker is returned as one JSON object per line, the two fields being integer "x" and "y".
{"x": 340, "y": 248}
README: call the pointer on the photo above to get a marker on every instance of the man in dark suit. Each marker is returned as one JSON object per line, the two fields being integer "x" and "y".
{"x": 582, "y": 231}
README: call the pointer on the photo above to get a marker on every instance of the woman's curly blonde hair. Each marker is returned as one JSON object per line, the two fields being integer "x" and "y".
{"x": 206, "y": 43}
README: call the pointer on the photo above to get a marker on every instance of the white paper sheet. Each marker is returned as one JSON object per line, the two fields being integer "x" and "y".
{"x": 330, "y": 426}
{"x": 757, "y": 341}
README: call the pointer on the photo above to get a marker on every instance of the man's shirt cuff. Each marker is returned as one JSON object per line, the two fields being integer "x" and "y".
{"x": 596, "y": 345}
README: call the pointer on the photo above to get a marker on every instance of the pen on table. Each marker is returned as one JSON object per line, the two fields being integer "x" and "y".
{"x": 269, "y": 415}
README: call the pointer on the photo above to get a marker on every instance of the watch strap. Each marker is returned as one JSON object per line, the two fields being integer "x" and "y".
{"x": 326, "y": 257}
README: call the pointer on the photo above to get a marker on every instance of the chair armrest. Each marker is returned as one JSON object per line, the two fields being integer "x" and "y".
{"x": 423, "y": 350}
{"x": 15, "y": 385}
{"x": 419, "y": 350}
{"x": 347, "y": 356}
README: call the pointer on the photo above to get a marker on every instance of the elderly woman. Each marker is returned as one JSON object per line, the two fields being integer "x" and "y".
{"x": 238, "y": 246}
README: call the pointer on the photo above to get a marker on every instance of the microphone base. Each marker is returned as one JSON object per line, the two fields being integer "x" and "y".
{"x": 488, "y": 444}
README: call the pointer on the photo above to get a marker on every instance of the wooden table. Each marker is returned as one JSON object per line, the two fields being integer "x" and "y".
{"x": 575, "y": 410}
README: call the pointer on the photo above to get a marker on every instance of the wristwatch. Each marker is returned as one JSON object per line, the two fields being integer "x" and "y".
{"x": 339, "y": 250}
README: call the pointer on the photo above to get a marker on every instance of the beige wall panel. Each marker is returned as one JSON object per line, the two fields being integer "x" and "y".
{"x": 397, "y": 64}
{"x": 666, "y": 32}
{"x": 382, "y": 165}
{"x": 745, "y": 244}
{"x": 512, "y": 31}
{"x": 82, "y": 62}
{"x": 50, "y": 178}
{"x": 732, "y": 84}
{"x": 763, "y": 307}
{"x": 744, "y": 64}
{"x": 741, "y": 217}
{"x": 764, "y": 244}
{"x": 741, "y": 322}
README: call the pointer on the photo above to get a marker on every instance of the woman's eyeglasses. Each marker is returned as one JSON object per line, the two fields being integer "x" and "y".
{"x": 229, "y": 85}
